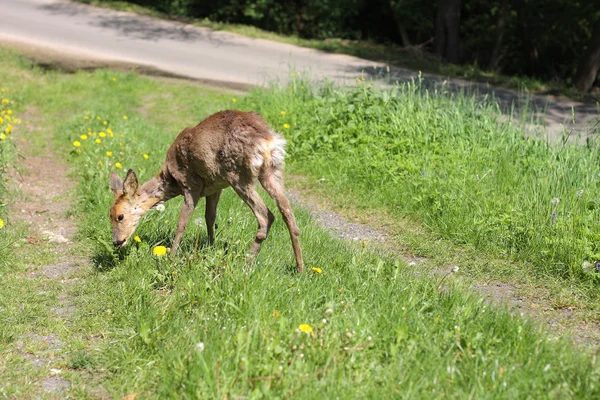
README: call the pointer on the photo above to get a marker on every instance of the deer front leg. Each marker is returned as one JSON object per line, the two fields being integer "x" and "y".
{"x": 211, "y": 215}
{"x": 189, "y": 203}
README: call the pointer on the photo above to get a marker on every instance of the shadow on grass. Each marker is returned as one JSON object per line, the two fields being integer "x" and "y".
{"x": 104, "y": 260}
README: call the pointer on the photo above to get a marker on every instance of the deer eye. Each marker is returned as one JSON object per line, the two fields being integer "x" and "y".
{"x": 120, "y": 217}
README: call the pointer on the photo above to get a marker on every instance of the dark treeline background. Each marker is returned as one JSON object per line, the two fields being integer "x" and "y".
{"x": 546, "y": 39}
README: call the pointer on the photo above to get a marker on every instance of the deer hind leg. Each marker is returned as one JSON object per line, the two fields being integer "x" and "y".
{"x": 272, "y": 182}
{"x": 190, "y": 199}
{"x": 263, "y": 215}
{"x": 211, "y": 214}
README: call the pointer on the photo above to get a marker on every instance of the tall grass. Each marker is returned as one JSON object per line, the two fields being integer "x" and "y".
{"x": 7, "y": 154}
{"x": 450, "y": 161}
{"x": 205, "y": 325}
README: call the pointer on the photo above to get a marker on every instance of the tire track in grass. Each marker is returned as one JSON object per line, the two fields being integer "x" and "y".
{"x": 537, "y": 307}
{"x": 52, "y": 267}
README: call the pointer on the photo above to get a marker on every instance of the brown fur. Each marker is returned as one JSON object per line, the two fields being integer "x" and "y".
{"x": 229, "y": 148}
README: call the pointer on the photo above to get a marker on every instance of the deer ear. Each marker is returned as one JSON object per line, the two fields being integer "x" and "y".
{"x": 116, "y": 183}
{"x": 130, "y": 185}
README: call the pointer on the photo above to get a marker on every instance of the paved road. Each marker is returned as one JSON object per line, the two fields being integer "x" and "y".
{"x": 93, "y": 33}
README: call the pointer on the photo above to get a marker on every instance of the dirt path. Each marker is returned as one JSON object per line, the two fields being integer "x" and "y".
{"x": 43, "y": 203}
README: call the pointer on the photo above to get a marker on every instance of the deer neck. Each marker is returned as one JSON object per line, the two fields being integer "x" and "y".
{"x": 157, "y": 190}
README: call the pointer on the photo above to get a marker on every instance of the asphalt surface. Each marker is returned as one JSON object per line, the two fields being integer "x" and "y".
{"x": 85, "y": 32}
{"x": 174, "y": 47}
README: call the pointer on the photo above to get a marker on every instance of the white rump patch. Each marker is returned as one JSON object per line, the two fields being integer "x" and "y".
{"x": 278, "y": 151}
{"x": 269, "y": 152}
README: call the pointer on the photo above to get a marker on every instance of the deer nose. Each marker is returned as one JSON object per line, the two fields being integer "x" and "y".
{"x": 118, "y": 243}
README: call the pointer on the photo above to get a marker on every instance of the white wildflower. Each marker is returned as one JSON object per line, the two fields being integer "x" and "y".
{"x": 160, "y": 207}
{"x": 555, "y": 201}
{"x": 199, "y": 347}
{"x": 586, "y": 265}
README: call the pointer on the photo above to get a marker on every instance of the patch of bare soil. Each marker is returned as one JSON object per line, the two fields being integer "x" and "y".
{"x": 42, "y": 205}
{"x": 536, "y": 307}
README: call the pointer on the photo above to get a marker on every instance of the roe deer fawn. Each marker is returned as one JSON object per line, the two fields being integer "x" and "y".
{"x": 229, "y": 148}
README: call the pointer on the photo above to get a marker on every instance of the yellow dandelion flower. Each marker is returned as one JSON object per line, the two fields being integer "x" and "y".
{"x": 16, "y": 121}
{"x": 286, "y": 126}
{"x": 5, "y": 101}
{"x": 76, "y": 143}
{"x": 109, "y": 153}
{"x": 118, "y": 165}
{"x": 317, "y": 270}
{"x": 137, "y": 239}
{"x": 8, "y": 128}
{"x": 98, "y": 118}
{"x": 87, "y": 117}
{"x": 104, "y": 123}
{"x": 98, "y": 141}
{"x": 306, "y": 328}
{"x": 1, "y": 120}
{"x": 1, "y": 223}
{"x": 109, "y": 131}
{"x": 101, "y": 134}
{"x": 159, "y": 251}
{"x": 83, "y": 137}
{"x": 111, "y": 134}
{"x": 283, "y": 113}
{"x": 146, "y": 156}
{"x": 275, "y": 314}
{"x": 114, "y": 79}
{"x": 233, "y": 100}
{"x": 2, "y": 136}
{"x": 437, "y": 320}
{"x": 124, "y": 116}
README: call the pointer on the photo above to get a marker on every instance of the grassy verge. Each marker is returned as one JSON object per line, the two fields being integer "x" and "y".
{"x": 205, "y": 325}
{"x": 450, "y": 162}
{"x": 8, "y": 238}
{"x": 387, "y": 53}
{"x": 7, "y": 154}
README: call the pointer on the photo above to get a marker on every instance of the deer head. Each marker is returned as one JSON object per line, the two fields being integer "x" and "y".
{"x": 126, "y": 211}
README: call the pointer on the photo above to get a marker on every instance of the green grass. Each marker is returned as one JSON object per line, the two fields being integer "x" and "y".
{"x": 379, "y": 331}
{"x": 449, "y": 161}
{"x": 7, "y": 156}
{"x": 389, "y": 53}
